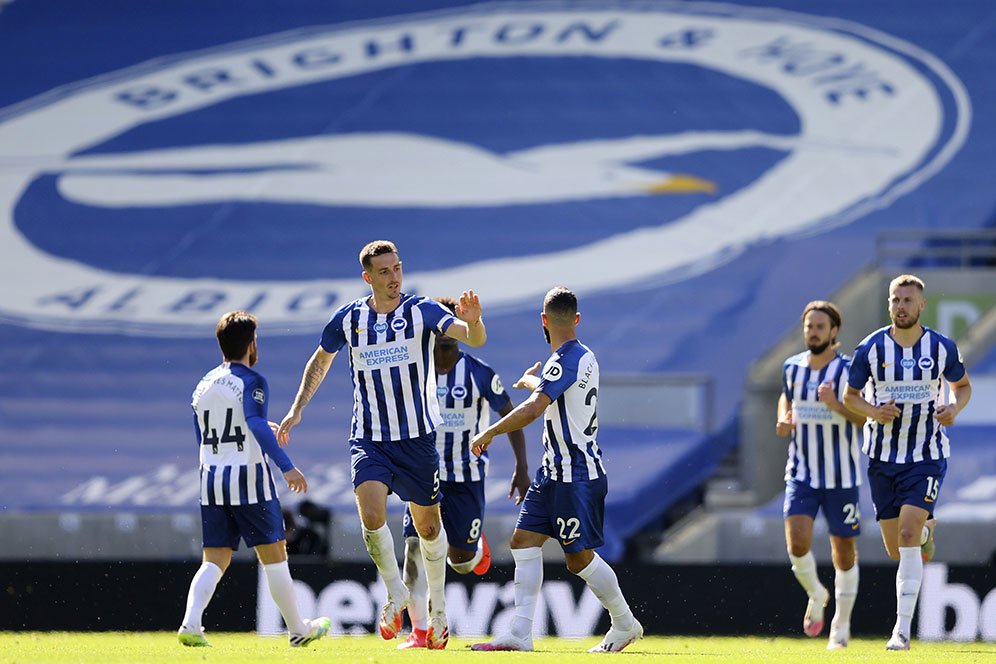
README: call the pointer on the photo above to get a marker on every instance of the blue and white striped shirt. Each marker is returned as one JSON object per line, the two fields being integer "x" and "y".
{"x": 230, "y": 404}
{"x": 390, "y": 356}
{"x": 911, "y": 376}
{"x": 465, "y": 394}
{"x": 570, "y": 379}
{"x": 824, "y": 449}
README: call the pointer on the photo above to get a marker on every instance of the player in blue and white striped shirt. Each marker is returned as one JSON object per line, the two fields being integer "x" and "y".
{"x": 905, "y": 365}
{"x": 567, "y": 498}
{"x": 467, "y": 389}
{"x": 822, "y": 470}
{"x": 390, "y": 338}
{"x": 238, "y": 497}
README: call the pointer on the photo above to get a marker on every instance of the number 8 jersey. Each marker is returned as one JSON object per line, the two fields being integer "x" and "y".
{"x": 570, "y": 379}
{"x": 230, "y": 419}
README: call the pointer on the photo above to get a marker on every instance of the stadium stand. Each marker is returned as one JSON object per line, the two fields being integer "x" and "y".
{"x": 695, "y": 186}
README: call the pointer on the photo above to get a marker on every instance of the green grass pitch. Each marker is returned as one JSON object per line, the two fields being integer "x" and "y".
{"x": 247, "y": 648}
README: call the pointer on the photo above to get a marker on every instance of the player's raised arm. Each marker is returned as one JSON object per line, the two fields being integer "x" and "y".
{"x": 314, "y": 374}
{"x": 529, "y": 380}
{"x": 469, "y": 327}
{"x": 519, "y": 418}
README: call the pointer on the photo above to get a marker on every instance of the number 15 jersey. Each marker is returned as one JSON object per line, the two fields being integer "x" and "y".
{"x": 570, "y": 379}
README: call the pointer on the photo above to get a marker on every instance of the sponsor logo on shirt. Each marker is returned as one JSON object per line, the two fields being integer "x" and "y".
{"x": 380, "y": 328}
{"x": 496, "y": 385}
{"x": 258, "y": 395}
{"x": 396, "y": 352}
{"x": 907, "y": 363}
{"x": 441, "y": 391}
{"x": 922, "y": 391}
{"x": 552, "y": 371}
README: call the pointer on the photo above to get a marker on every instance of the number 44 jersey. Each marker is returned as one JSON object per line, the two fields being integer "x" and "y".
{"x": 570, "y": 379}
{"x": 230, "y": 418}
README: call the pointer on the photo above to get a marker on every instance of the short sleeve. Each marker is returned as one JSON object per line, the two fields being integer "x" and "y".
{"x": 333, "y": 336}
{"x": 954, "y": 369}
{"x": 841, "y": 383}
{"x": 786, "y": 389}
{"x": 435, "y": 315}
{"x": 859, "y": 372}
{"x": 491, "y": 387}
{"x": 557, "y": 376}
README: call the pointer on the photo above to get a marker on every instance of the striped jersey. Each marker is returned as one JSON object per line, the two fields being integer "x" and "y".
{"x": 393, "y": 370}
{"x": 570, "y": 379}
{"x": 824, "y": 449}
{"x": 467, "y": 393}
{"x": 911, "y": 376}
{"x": 235, "y": 439}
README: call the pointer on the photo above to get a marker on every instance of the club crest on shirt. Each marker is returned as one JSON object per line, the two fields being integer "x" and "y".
{"x": 926, "y": 363}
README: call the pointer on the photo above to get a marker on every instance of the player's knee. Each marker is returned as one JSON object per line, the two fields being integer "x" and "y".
{"x": 909, "y": 536}
{"x": 428, "y": 530}
{"x": 798, "y": 549}
{"x": 372, "y": 519}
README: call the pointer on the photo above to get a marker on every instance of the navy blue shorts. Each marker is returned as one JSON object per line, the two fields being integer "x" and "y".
{"x": 896, "y": 484}
{"x": 571, "y": 512}
{"x": 224, "y": 525}
{"x": 409, "y": 468}
{"x": 462, "y": 511}
{"x": 840, "y": 506}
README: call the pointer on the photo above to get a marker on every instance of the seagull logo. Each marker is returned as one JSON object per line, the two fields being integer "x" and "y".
{"x": 118, "y": 147}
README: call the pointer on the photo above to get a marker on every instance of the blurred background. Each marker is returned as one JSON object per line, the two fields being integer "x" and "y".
{"x": 695, "y": 172}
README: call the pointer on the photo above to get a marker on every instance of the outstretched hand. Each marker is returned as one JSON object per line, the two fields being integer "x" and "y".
{"x": 468, "y": 307}
{"x": 519, "y": 486}
{"x": 296, "y": 481}
{"x": 524, "y": 382}
{"x": 291, "y": 420}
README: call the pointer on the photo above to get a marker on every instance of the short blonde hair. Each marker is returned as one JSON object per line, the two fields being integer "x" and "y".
{"x": 906, "y": 280}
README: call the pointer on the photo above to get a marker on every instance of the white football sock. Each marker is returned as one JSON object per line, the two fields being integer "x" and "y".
{"x": 282, "y": 590}
{"x": 468, "y": 567}
{"x": 434, "y": 559}
{"x": 804, "y": 568}
{"x": 415, "y": 580}
{"x": 845, "y": 592}
{"x": 527, "y": 584}
{"x": 908, "y": 579}
{"x": 603, "y": 582}
{"x": 201, "y": 591}
{"x": 380, "y": 546}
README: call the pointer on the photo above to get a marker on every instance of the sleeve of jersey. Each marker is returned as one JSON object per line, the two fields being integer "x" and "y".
{"x": 491, "y": 387}
{"x": 556, "y": 378}
{"x": 254, "y": 398}
{"x": 436, "y": 315}
{"x": 333, "y": 338}
{"x": 841, "y": 382}
{"x": 859, "y": 372}
{"x": 955, "y": 369}
{"x": 785, "y": 382}
{"x": 197, "y": 430}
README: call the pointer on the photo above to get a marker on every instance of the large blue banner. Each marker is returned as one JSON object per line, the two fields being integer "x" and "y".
{"x": 696, "y": 172}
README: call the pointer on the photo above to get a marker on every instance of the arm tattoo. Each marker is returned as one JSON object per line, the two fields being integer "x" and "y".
{"x": 314, "y": 374}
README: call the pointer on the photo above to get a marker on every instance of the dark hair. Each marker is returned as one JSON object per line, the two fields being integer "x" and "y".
{"x": 447, "y": 302}
{"x": 235, "y": 331}
{"x": 376, "y": 248}
{"x": 829, "y": 308}
{"x": 560, "y": 304}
